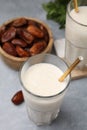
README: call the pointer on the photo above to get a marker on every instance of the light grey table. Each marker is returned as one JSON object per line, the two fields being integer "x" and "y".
{"x": 73, "y": 114}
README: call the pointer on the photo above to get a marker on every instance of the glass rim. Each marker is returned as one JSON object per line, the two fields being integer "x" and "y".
{"x": 68, "y": 6}
{"x": 39, "y": 96}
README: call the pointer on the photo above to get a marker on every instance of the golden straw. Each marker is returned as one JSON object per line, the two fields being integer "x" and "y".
{"x": 80, "y": 58}
{"x": 76, "y": 6}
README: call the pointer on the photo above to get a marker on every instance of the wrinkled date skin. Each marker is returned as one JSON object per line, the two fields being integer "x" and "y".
{"x": 46, "y": 36}
{"x": 27, "y": 36}
{"x": 8, "y": 35}
{"x": 19, "y": 42}
{"x": 21, "y": 52}
{"x": 19, "y": 22}
{"x": 38, "y": 47}
{"x": 23, "y": 37}
{"x": 9, "y": 48}
{"x": 35, "y": 31}
{"x": 2, "y": 30}
{"x": 18, "y": 98}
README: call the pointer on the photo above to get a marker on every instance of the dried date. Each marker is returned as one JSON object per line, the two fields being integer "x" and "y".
{"x": 19, "y": 22}
{"x": 26, "y": 36}
{"x": 19, "y": 42}
{"x": 9, "y": 48}
{"x": 31, "y": 22}
{"x": 35, "y": 31}
{"x": 46, "y": 36}
{"x": 2, "y": 30}
{"x": 8, "y": 35}
{"x": 18, "y": 98}
{"x": 21, "y": 52}
{"x": 38, "y": 47}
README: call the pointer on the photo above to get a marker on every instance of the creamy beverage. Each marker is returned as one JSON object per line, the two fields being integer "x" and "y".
{"x": 76, "y": 36}
{"x": 81, "y": 16}
{"x": 44, "y": 92}
{"x": 42, "y": 80}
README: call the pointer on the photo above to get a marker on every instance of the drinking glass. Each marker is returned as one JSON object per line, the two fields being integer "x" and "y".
{"x": 76, "y": 34}
{"x": 43, "y": 110}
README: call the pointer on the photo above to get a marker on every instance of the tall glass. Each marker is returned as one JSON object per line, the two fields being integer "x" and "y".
{"x": 43, "y": 109}
{"x": 76, "y": 33}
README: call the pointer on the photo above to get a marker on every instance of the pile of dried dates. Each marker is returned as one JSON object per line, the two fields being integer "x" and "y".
{"x": 23, "y": 37}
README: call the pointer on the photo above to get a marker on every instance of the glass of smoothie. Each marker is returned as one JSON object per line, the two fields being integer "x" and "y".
{"x": 43, "y": 93}
{"x": 76, "y": 33}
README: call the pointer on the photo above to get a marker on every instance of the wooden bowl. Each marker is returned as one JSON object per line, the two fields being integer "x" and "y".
{"x": 16, "y": 62}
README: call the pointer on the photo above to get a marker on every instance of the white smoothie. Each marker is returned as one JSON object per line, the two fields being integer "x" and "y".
{"x": 76, "y": 35}
{"x": 42, "y": 80}
{"x": 81, "y": 16}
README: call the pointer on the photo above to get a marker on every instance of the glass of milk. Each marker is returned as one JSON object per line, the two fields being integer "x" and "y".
{"x": 76, "y": 33}
{"x": 42, "y": 91}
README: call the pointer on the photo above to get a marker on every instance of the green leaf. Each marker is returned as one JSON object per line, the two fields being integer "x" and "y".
{"x": 56, "y": 11}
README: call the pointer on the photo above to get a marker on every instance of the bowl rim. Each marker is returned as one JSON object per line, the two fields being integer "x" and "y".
{"x": 25, "y": 58}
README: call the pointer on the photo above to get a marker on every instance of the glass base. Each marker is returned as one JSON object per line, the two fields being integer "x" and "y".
{"x": 42, "y": 118}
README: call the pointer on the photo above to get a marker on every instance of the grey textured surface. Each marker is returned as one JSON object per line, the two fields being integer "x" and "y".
{"x": 73, "y": 115}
